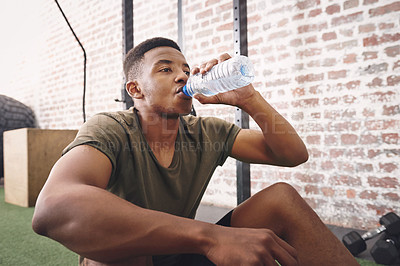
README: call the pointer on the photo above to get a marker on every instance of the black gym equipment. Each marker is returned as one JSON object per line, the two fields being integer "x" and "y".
{"x": 386, "y": 250}
{"x": 355, "y": 243}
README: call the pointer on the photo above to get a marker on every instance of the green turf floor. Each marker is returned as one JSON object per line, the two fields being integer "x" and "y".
{"x": 20, "y": 246}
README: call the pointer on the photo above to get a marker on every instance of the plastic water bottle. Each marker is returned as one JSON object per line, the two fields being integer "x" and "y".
{"x": 231, "y": 74}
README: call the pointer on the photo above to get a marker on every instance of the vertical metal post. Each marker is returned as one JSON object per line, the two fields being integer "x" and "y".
{"x": 180, "y": 25}
{"x": 127, "y": 17}
{"x": 241, "y": 117}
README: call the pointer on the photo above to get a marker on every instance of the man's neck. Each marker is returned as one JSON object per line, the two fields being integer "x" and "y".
{"x": 159, "y": 128}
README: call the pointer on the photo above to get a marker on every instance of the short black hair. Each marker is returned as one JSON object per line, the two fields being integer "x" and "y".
{"x": 133, "y": 59}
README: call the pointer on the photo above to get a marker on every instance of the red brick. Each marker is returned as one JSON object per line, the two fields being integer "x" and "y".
{"x": 347, "y": 19}
{"x": 351, "y": 85}
{"x": 335, "y": 153}
{"x": 390, "y": 138}
{"x": 298, "y": 92}
{"x": 308, "y": 53}
{"x": 307, "y": 4}
{"x": 381, "y": 124}
{"x": 391, "y": 110}
{"x": 384, "y": 182}
{"x": 375, "y": 40}
{"x": 316, "y": 139}
{"x": 368, "y": 195}
{"x": 385, "y": 26}
{"x": 349, "y": 139}
{"x": 277, "y": 82}
{"x": 306, "y": 103}
{"x": 393, "y": 80}
{"x": 312, "y": 39}
{"x": 312, "y": 27}
{"x": 329, "y": 36}
{"x": 328, "y": 192}
{"x": 392, "y": 196}
{"x": 350, "y": 4}
{"x": 225, "y": 27}
{"x": 337, "y": 74}
{"x": 328, "y": 62}
{"x": 388, "y": 167}
{"x": 368, "y": 112}
{"x": 309, "y": 78}
{"x": 298, "y": 16}
{"x": 283, "y": 22}
{"x": 382, "y": 10}
{"x": 364, "y": 167}
{"x": 370, "y": 55}
{"x": 351, "y": 193}
{"x": 345, "y": 180}
{"x": 332, "y": 9}
{"x": 346, "y": 32}
{"x": 309, "y": 178}
{"x": 396, "y": 64}
{"x": 278, "y": 35}
{"x": 204, "y": 14}
{"x": 392, "y": 51}
{"x": 343, "y": 45}
{"x": 315, "y": 12}
{"x": 366, "y": 28}
{"x": 368, "y": 139}
{"x": 310, "y": 189}
{"x": 368, "y": 2}
{"x": 296, "y": 42}
{"x": 376, "y": 82}
{"x": 350, "y": 58}
{"x": 327, "y": 165}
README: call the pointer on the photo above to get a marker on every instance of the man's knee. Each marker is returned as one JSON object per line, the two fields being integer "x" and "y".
{"x": 281, "y": 193}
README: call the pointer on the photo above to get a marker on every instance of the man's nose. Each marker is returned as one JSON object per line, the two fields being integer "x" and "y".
{"x": 181, "y": 77}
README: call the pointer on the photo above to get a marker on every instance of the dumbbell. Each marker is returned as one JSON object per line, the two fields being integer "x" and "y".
{"x": 355, "y": 242}
{"x": 386, "y": 250}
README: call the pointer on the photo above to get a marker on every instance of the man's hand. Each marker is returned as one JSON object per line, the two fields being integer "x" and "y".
{"x": 238, "y": 97}
{"x": 245, "y": 246}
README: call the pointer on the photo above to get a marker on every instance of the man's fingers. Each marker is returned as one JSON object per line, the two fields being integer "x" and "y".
{"x": 285, "y": 254}
{"x": 223, "y": 57}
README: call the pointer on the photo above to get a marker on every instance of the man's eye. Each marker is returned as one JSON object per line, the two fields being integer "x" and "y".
{"x": 187, "y": 73}
{"x": 165, "y": 69}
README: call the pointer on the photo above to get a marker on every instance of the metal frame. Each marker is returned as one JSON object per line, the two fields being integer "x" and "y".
{"x": 243, "y": 184}
{"x": 127, "y": 22}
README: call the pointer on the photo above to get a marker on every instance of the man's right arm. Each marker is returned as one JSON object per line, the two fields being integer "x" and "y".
{"x": 74, "y": 209}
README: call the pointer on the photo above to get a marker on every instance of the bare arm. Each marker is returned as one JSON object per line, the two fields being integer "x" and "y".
{"x": 74, "y": 209}
{"x": 277, "y": 143}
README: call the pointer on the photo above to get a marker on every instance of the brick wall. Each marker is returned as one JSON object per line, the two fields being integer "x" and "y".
{"x": 330, "y": 67}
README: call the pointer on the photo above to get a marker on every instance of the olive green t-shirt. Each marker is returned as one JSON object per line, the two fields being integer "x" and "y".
{"x": 202, "y": 144}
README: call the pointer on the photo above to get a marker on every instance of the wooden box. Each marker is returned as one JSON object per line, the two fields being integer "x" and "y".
{"x": 29, "y": 155}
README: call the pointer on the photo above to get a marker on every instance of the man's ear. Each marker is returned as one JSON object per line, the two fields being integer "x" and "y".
{"x": 133, "y": 90}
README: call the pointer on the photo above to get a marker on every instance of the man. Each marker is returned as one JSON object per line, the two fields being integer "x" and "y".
{"x": 125, "y": 190}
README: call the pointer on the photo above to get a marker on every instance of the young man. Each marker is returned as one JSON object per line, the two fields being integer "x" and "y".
{"x": 126, "y": 190}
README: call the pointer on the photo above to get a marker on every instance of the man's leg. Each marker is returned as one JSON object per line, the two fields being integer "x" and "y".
{"x": 281, "y": 209}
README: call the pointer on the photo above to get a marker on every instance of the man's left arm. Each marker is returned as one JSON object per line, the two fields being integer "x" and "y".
{"x": 277, "y": 143}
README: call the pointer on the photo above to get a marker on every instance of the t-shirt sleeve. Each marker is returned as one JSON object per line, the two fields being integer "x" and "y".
{"x": 103, "y": 133}
{"x": 222, "y": 135}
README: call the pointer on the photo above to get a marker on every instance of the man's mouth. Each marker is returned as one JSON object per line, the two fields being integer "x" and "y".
{"x": 180, "y": 92}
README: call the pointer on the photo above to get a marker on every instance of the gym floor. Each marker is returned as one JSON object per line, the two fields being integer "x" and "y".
{"x": 208, "y": 213}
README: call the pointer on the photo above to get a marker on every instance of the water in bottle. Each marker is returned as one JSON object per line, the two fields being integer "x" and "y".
{"x": 231, "y": 74}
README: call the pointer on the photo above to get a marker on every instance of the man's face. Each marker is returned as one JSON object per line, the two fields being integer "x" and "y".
{"x": 164, "y": 73}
